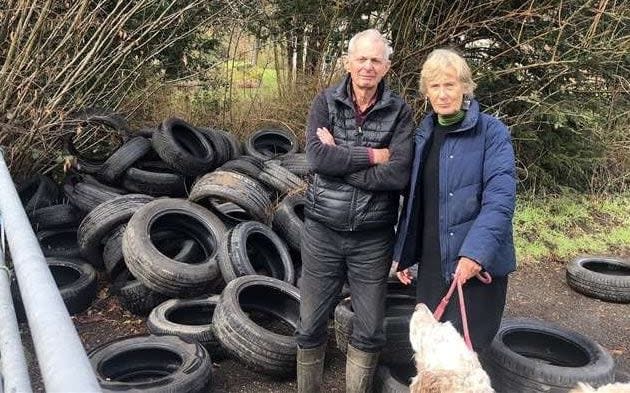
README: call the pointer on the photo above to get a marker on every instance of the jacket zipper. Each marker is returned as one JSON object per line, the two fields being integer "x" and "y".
{"x": 359, "y": 135}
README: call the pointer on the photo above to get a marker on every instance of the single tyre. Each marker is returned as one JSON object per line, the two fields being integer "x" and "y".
{"x": 154, "y": 178}
{"x": 55, "y": 216}
{"x": 76, "y": 281}
{"x": 255, "y": 321}
{"x": 113, "y": 259}
{"x": 219, "y": 187}
{"x": 235, "y": 143}
{"x": 92, "y": 117}
{"x": 103, "y": 220}
{"x": 171, "y": 243}
{"x": 535, "y": 356}
{"x": 89, "y": 179}
{"x": 85, "y": 196}
{"x": 398, "y": 311}
{"x": 159, "y": 271}
{"x": 124, "y": 157}
{"x": 253, "y": 248}
{"x": 268, "y": 143}
{"x": 156, "y": 364}
{"x": 183, "y": 147}
{"x": 59, "y": 242}
{"x": 245, "y": 165}
{"x": 603, "y": 278}
{"x": 186, "y": 318}
{"x": 220, "y": 144}
{"x": 288, "y": 219}
{"x": 280, "y": 179}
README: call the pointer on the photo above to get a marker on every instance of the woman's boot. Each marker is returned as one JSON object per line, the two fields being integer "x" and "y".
{"x": 360, "y": 369}
{"x": 310, "y": 368}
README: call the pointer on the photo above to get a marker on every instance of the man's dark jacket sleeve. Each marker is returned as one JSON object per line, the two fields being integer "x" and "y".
{"x": 326, "y": 159}
{"x": 394, "y": 174}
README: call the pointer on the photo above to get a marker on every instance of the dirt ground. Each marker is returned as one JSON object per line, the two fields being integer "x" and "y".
{"x": 538, "y": 291}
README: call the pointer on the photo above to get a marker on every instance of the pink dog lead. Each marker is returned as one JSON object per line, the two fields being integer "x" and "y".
{"x": 485, "y": 278}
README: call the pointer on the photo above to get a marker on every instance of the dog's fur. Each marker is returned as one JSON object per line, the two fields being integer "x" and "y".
{"x": 443, "y": 361}
{"x": 610, "y": 388}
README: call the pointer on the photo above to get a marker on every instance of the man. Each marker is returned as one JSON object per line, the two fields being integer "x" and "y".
{"x": 359, "y": 148}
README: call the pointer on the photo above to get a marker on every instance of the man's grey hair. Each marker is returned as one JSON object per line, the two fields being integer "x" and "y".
{"x": 374, "y": 35}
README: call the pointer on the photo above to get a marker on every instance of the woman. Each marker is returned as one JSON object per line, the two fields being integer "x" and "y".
{"x": 457, "y": 219}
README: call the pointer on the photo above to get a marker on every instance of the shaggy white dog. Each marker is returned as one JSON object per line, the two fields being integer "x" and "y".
{"x": 443, "y": 361}
{"x": 610, "y": 388}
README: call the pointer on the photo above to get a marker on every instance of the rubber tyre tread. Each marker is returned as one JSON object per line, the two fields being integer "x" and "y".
{"x": 133, "y": 296}
{"x": 239, "y": 189}
{"x": 89, "y": 179}
{"x": 69, "y": 248}
{"x": 233, "y": 256}
{"x": 86, "y": 197}
{"x": 163, "y": 274}
{"x": 296, "y": 163}
{"x": 220, "y": 143}
{"x": 287, "y": 222}
{"x": 608, "y": 287}
{"x": 154, "y": 183}
{"x": 78, "y": 295}
{"x": 194, "y": 375}
{"x": 123, "y": 158}
{"x": 285, "y": 138}
{"x": 235, "y": 143}
{"x": 280, "y": 179}
{"x": 258, "y": 348}
{"x": 245, "y": 165}
{"x": 54, "y": 216}
{"x": 512, "y": 372}
{"x": 103, "y": 220}
{"x": 170, "y": 151}
{"x": 113, "y": 259}
{"x": 158, "y": 321}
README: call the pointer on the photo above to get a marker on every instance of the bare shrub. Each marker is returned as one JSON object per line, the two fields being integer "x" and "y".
{"x": 60, "y": 56}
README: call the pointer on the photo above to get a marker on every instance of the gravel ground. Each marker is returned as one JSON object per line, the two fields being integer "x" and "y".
{"x": 538, "y": 291}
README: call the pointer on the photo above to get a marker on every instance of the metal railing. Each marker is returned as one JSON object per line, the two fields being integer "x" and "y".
{"x": 12, "y": 359}
{"x": 62, "y": 359}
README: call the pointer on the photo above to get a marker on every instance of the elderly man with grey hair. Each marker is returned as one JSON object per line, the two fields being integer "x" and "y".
{"x": 359, "y": 149}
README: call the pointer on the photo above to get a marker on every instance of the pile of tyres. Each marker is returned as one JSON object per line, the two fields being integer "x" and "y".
{"x": 200, "y": 233}
{"x": 190, "y": 226}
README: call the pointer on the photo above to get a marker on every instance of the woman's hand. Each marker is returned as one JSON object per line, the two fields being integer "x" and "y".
{"x": 466, "y": 269}
{"x": 404, "y": 276}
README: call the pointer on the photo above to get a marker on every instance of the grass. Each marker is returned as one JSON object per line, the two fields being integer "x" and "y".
{"x": 252, "y": 81}
{"x": 562, "y": 227}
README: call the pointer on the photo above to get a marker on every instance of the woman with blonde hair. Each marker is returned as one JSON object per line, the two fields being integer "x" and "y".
{"x": 457, "y": 219}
